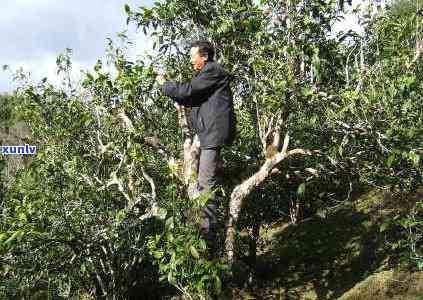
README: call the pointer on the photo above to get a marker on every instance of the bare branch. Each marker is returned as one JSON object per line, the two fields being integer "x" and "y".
{"x": 269, "y": 127}
{"x": 153, "y": 187}
{"x": 277, "y": 130}
{"x": 302, "y": 152}
{"x": 87, "y": 179}
{"x": 191, "y": 161}
{"x": 154, "y": 212}
{"x": 241, "y": 191}
{"x": 98, "y": 180}
{"x": 418, "y": 50}
{"x": 312, "y": 171}
{"x": 131, "y": 187}
{"x": 183, "y": 121}
{"x": 379, "y": 142}
{"x": 154, "y": 142}
{"x": 114, "y": 180}
{"x": 343, "y": 124}
{"x": 127, "y": 123}
{"x": 347, "y": 65}
{"x": 285, "y": 143}
{"x": 294, "y": 210}
{"x": 99, "y": 280}
{"x": 101, "y": 147}
{"x": 260, "y": 129}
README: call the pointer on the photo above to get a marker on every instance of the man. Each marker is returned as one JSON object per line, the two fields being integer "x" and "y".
{"x": 212, "y": 116}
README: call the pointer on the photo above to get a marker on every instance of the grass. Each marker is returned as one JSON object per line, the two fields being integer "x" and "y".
{"x": 393, "y": 284}
{"x": 340, "y": 256}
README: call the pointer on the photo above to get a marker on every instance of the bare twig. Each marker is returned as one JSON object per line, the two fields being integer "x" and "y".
{"x": 98, "y": 277}
{"x": 153, "y": 187}
{"x": 183, "y": 121}
{"x": 285, "y": 143}
{"x": 114, "y": 180}
{"x": 126, "y": 121}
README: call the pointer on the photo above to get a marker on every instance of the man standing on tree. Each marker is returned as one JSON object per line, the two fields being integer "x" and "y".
{"x": 212, "y": 116}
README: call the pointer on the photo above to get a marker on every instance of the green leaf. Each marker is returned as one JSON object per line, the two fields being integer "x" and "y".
{"x": 306, "y": 91}
{"x": 203, "y": 245}
{"x": 121, "y": 215}
{"x": 158, "y": 254}
{"x": 170, "y": 278}
{"x": 301, "y": 189}
{"x": 3, "y": 236}
{"x": 383, "y": 227}
{"x": 170, "y": 237}
{"x": 217, "y": 285}
{"x": 414, "y": 157}
{"x": 83, "y": 268}
{"x": 121, "y": 35}
{"x": 12, "y": 237}
{"x": 98, "y": 66}
{"x": 194, "y": 252}
{"x": 127, "y": 9}
{"x": 169, "y": 224}
{"x": 391, "y": 159}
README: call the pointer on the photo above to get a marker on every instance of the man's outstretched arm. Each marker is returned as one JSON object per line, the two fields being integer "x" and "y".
{"x": 193, "y": 93}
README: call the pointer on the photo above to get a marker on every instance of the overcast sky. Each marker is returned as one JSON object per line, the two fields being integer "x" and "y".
{"x": 34, "y": 32}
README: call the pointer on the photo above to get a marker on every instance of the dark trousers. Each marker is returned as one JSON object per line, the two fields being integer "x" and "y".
{"x": 206, "y": 182}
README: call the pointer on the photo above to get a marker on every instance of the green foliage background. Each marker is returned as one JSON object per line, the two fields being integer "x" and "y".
{"x": 355, "y": 98}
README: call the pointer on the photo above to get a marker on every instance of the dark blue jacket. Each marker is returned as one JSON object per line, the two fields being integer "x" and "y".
{"x": 210, "y": 98}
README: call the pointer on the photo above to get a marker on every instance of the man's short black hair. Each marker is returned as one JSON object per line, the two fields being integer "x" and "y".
{"x": 204, "y": 48}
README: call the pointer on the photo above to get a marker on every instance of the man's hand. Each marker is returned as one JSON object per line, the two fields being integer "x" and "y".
{"x": 161, "y": 79}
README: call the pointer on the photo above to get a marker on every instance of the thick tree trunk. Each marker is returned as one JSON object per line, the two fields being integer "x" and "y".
{"x": 242, "y": 190}
{"x": 237, "y": 197}
{"x": 191, "y": 153}
{"x": 245, "y": 188}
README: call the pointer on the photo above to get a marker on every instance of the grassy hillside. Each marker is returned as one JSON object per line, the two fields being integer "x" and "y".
{"x": 339, "y": 255}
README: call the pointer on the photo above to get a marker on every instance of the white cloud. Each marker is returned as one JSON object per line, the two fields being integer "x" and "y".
{"x": 36, "y": 31}
{"x": 351, "y": 20}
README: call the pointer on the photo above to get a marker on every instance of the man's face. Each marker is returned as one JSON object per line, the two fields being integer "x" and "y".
{"x": 197, "y": 60}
